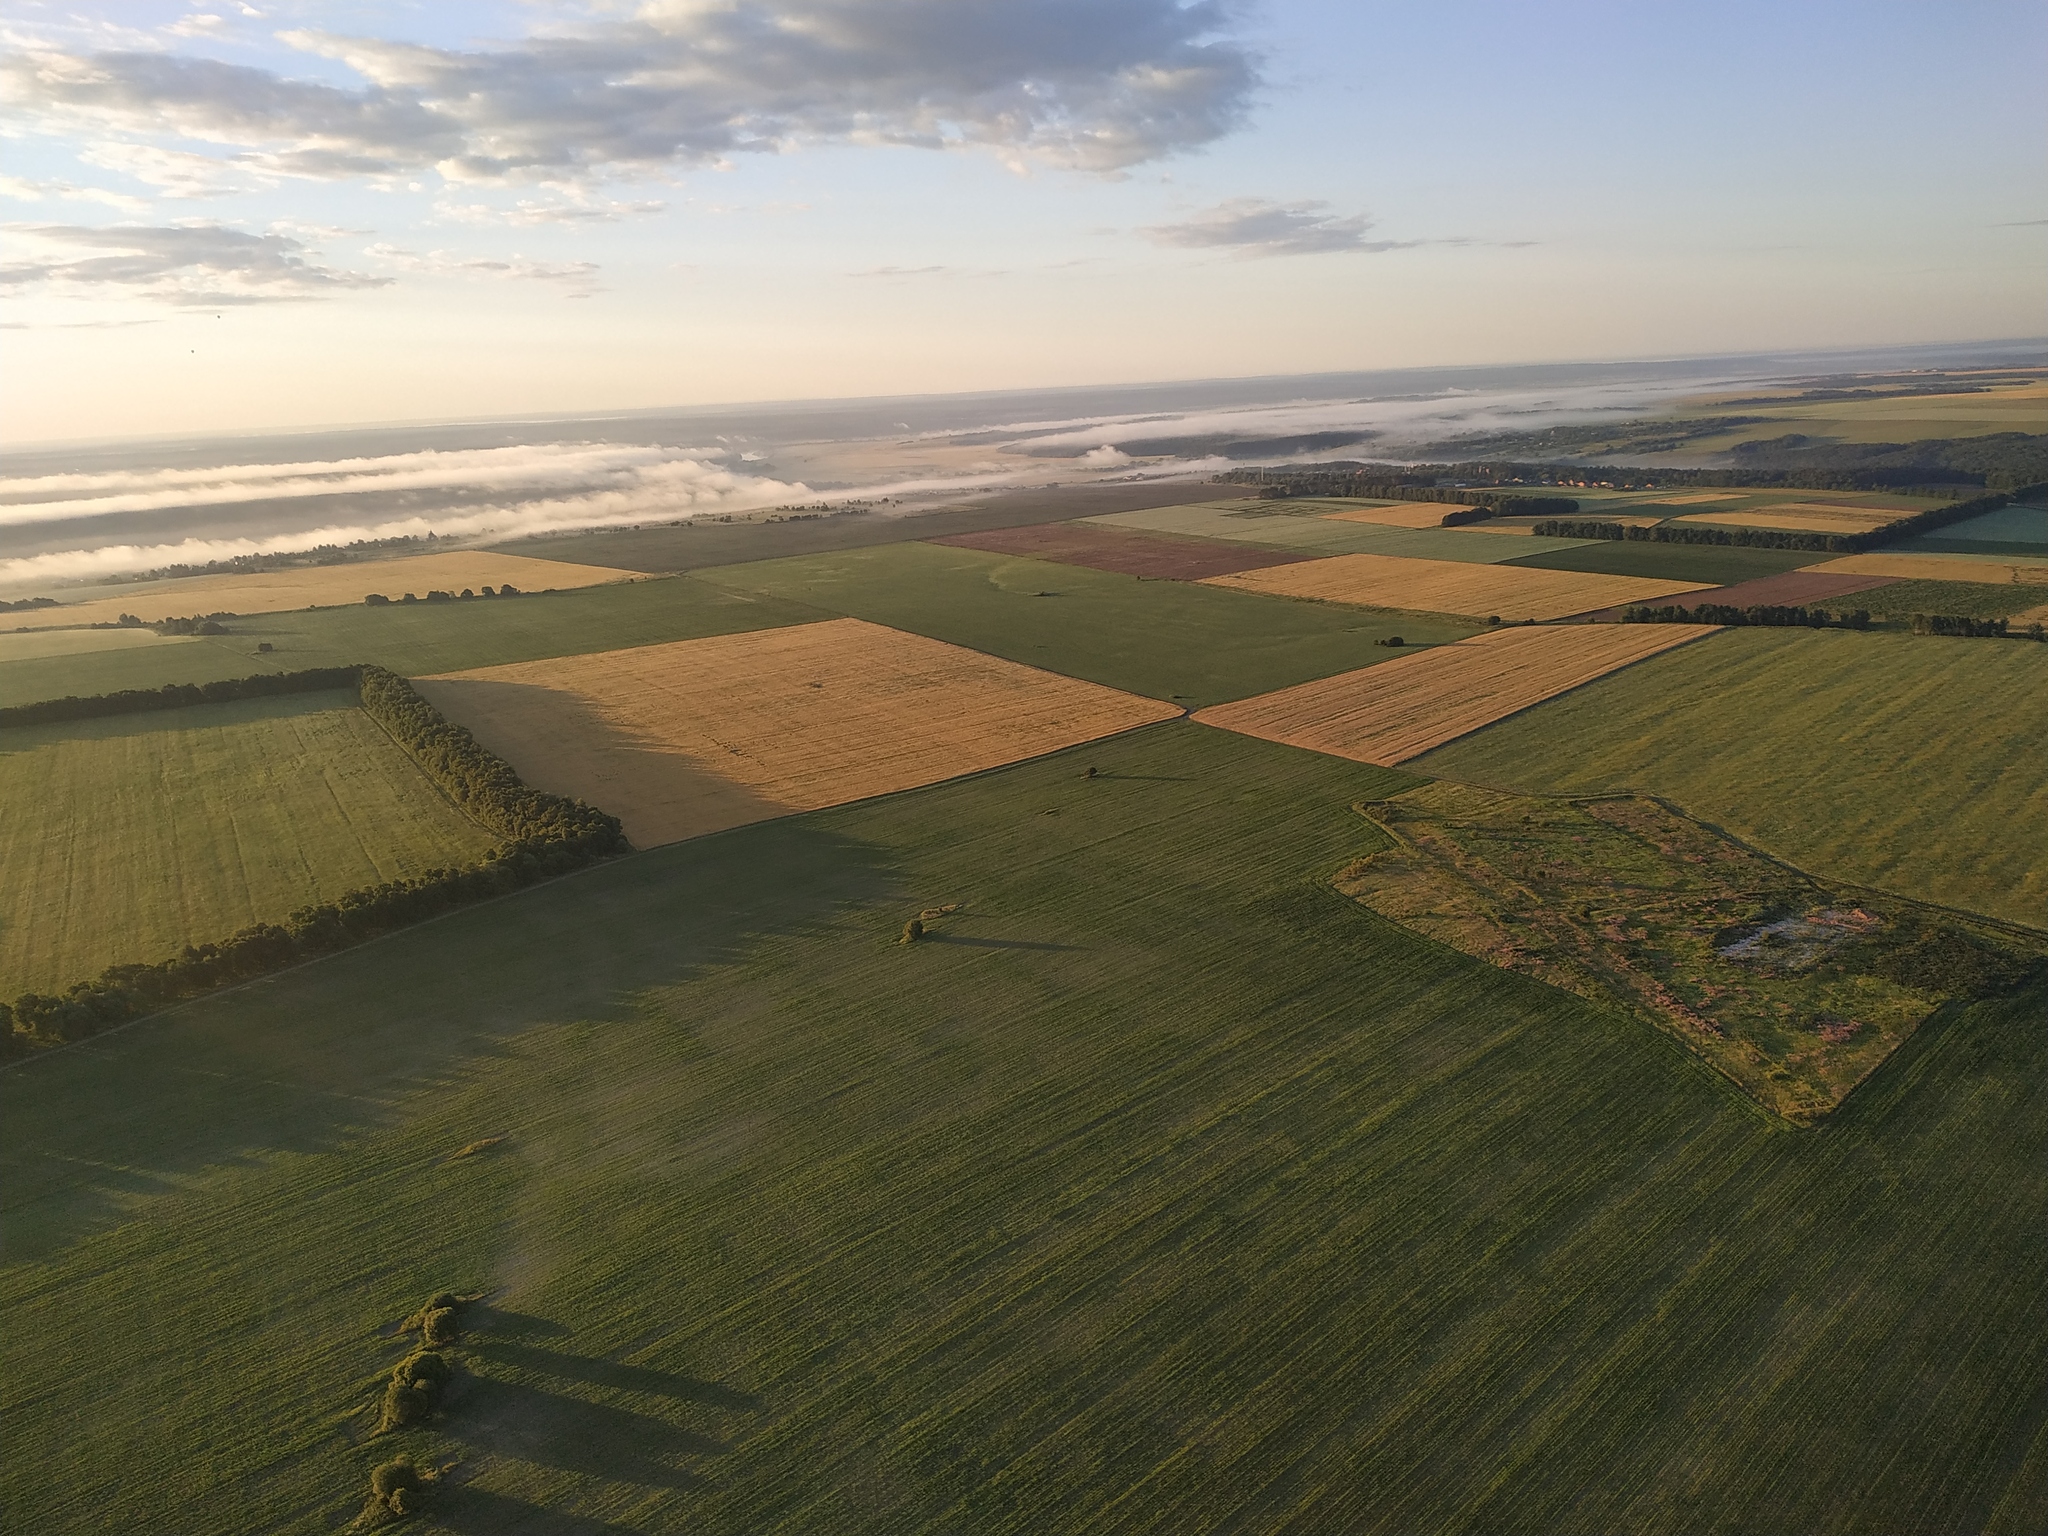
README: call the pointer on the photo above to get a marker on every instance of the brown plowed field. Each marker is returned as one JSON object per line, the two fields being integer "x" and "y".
{"x": 325, "y": 586}
{"x": 1129, "y": 554}
{"x": 1401, "y": 709}
{"x": 699, "y": 735}
{"x": 1511, "y": 592}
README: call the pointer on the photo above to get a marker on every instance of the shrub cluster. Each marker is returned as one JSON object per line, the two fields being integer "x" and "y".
{"x": 131, "y": 701}
{"x": 415, "y": 1390}
{"x": 547, "y": 835}
{"x": 1963, "y": 625}
{"x": 1767, "y": 615}
{"x": 397, "y": 1488}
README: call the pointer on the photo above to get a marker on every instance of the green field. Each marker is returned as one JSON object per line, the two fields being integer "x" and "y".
{"x": 414, "y": 639}
{"x": 1902, "y": 761}
{"x": 125, "y": 839}
{"x": 1974, "y": 599}
{"x": 1723, "y": 564}
{"x": 1302, "y": 526}
{"x": 1166, "y": 1191}
{"x": 1175, "y": 640}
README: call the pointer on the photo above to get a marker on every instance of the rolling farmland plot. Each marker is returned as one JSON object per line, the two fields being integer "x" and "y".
{"x": 1907, "y": 762}
{"x": 323, "y": 585}
{"x": 1939, "y": 568}
{"x": 1802, "y": 517}
{"x": 1297, "y": 524}
{"x": 1390, "y": 713}
{"x": 127, "y": 838}
{"x": 700, "y": 735}
{"x": 1129, "y": 554}
{"x": 1714, "y": 564}
{"x": 1512, "y": 593}
{"x": 1398, "y": 514}
{"x": 1162, "y": 1190}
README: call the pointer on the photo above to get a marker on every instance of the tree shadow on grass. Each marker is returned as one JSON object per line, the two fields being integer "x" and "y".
{"x": 473, "y": 1511}
{"x": 610, "y": 1373}
{"x": 303, "y": 1061}
{"x": 550, "y": 1429}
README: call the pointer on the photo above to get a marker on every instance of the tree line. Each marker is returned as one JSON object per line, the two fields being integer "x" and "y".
{"x": 133, "y": 701}
{"x": 1766, "y": 615}
{"x": 547, "y": 835}
{"x": 1283, "y": 484}
{"x": 1466, "y": 474}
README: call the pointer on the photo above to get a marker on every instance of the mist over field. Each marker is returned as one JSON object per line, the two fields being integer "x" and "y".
{"x": 111, "y": 510}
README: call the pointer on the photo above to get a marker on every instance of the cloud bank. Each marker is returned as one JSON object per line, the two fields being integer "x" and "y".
{"x": 1253, "y": 226}
{"x": 209, "y": 265}
{"x": 1095, "y": 85}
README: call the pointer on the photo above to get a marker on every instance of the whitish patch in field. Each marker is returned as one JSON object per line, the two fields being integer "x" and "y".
{"x": 1510, "y": 592}
{"x": 1401, "y": 709}
{"x": 1940, "y": 568}
{"x": 324, "y": 586}
{"x": 699, "y": 735}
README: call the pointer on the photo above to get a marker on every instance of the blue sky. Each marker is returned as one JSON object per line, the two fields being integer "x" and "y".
{"x": 254, "y": 215}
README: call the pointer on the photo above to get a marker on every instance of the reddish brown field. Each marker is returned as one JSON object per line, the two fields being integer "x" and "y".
{"x": 1129, "y": 554}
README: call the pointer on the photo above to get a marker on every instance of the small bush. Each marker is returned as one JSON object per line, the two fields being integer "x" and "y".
{"x": 414, "y": 1394}
{"x": 398, "y": 1487}
{"x": 912, "y": 931}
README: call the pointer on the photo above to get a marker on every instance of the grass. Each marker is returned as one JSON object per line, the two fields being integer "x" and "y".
{"x": 1192, "y": 644}
{"x": 1162, "y": 1190}
{"x": 1724, "y": 564}
{"x": 126, "y": 839}
{"x": 415, "y": 639}
{"x": 1974, "y": 599}
{"x": 1902, "y": 761}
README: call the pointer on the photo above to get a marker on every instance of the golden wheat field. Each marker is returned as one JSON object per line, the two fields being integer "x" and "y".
{"x": 1405, "y": 514}
{"x": 1452, "y": 586}
{"x": 322, "y": 586}
{"x": 1804, "y": 517}
{"x": 1997, "y": 573}
{"x": 1696, "y": 499}
{"x": 1401, "y": 709}
{"x": 699, "y": 735}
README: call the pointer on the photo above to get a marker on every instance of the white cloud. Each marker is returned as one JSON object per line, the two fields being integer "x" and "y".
{"x": 18, "y": 189}
{"x": 530, "y": 212}
{"x": 578, "y": 276}
{"x": 1090, "y": 84}
{"x": 208, "y": 265}
{"x": 1254, "y": 226}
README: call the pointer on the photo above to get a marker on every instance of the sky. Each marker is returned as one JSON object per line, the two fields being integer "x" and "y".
{"x": 248, "y": 216}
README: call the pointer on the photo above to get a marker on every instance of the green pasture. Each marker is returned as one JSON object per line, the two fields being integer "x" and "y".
{"x": 1903, "y": 761}
{"x": 1302, "y": 526}
{"x": 125, "y": 839}
{"x": 1175, "y": 640}
{"x": 1973, "y": 599}
{"x": 415, "y": 639}
{"x": 1723, "y": 564}
{"x": 1164, "y": 1190}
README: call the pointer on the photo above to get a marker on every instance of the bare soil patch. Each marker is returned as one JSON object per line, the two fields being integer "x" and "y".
{"x": 1510, "y": 592}
{"x": 695, "y": 736}
{"x": 323, "y": 586}
{"x": 1130, "y": 554}
{"x": 1401, "y": 709}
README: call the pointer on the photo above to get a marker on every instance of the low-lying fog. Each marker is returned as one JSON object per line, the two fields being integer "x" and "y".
{"x": 80, "y": 512}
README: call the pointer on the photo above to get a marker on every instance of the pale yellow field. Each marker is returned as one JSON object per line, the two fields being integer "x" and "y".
{"x": 698, "y": 735}
{"x": 1696, "y": 498}
{"x": 1939, "y": 568}
{"x": 81, "y": 642}
{"x": 1805, "y": 517}
{"x": 323, "y": 586}
{"x": 1409, "y": 514}
{"x": 1401, "y": 709}
{"x": 1451, "y": 586}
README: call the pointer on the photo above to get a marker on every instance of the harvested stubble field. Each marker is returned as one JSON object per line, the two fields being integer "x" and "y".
{"x": 1157, "y": 555}
{"x": 1296, "y": 524}
{"x": 1907, "y": 762}
{"x": 701, "y": 735}
{"x": 413, "y": 638}
{"x": 1391, "y": 713}
{"x": 125, "y": 839}
{"x": 323, "y": 586}
{"x": 1511, "y": 593}
{"x": 1184, "y": 641}
{"x": 1394, "y": 514}
{"x": 1163, "y": 1190}
{"x": 1940, "y": 568}
{"x": 1802, "y": 517}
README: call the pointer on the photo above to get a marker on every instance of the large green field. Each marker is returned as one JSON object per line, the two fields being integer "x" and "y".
{"x": 1902, "y": 761}
{"x": 414, "y": 639}
{"x": 125, "y": 839}
{"x": 1725, "y": 564}
{"x": 1166, "y": 1190}
{"x": 1175, "y": 640}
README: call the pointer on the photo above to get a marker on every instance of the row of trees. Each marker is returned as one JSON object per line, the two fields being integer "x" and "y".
{"x": 1766, "y": 615}
{"x": 546, "y": 835}
{"x": 132, "y": 701}
{"x": 1369, "y": 483}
